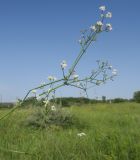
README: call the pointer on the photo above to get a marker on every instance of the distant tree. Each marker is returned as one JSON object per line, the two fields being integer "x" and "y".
{"x": 136, "y": 96}
{"x": 119, "y": 100}
{"x": 104, "y": 98}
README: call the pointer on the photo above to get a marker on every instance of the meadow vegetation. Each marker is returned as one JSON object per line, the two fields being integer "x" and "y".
{"x": 111, "y": 132}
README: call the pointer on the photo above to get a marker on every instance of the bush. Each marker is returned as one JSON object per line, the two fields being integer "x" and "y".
{"x": 136, "y": 96}
{"x": 46, "y": 118}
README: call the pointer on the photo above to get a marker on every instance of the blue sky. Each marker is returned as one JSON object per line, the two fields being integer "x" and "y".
{"x": 36, "y": 35}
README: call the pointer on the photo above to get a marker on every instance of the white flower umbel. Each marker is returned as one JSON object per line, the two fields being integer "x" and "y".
{"x": 51, "y": 78}
{"x": 98, "y": 82}
{"x": 38, "y": 97}
{"x": 53, "y": 108}
{"x": 46, "y": 103}
{"x": 63, "y": 64}
{"x": 99, "y": 23}
{"x": 109, "y": 15}
{"x": 102, "y": 15}
{"x": 34, "y": 91}
{"x": 102, "y": 8}
{"x": 75, "y": 76}
{"x": 109, "y": 27}
{"x": 81, "y": 134}
{"x": 93, "y": 28}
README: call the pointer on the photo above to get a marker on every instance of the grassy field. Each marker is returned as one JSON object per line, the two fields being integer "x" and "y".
{"x": 112, "y": 133}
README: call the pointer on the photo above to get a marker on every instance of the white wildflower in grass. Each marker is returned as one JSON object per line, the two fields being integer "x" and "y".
{"x": 53, "y": 108}
{"x": 99, "y": 23}
{"x": 81, "y": 134}
{"x": 114, "y": 72}
{"x": 109, "y": 15}
{"x": 63, "y": 64}
{"x": 109, "y": 27}
{"x": 18, "y": 102}
{"x": 38, "y": 97}
{"x": 102, "y": 8}
{"x": 93, "y": 28}
{"x": 34, "y": 91}
{"x": 46, "y": 102}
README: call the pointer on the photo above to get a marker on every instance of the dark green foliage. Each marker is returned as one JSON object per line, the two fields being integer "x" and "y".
{"x": 119, "y": 100}
{"x": 44, "y": 119}
{"x": 69, "y": 101}
{"x": 6, "y": 105}
{"x": 104, "y": 98}
{"x": 136, "y": 96}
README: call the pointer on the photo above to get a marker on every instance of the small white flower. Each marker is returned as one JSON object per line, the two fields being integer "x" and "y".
{"x": 81, "y": 134}
{"x": 102, "y": 15}
{"x": 34, "y": 91}
{"x": 38, "y": 97}
{"x": 102, "y": 8}
{"x": 109, "y": 27}
{"x": 114, "y": 72}
{"x": 99, "y": 23}
{"x": 110, "y": 67}
{"x": 46, "y": 102}
{"x": 109, "y": 15}
{"x": 98, "y": 82}
{"x": 93, "y": 28}
{"x": 53, "y": 108}
{"x": 75, "y": 76}
{"x": 63, "y": 64}
{"x": 51, "y": 78}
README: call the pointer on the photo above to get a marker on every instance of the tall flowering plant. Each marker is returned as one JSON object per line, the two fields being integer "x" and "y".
{"x": 103, "y": 73}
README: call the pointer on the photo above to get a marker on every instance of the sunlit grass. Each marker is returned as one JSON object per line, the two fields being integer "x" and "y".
{"x": 112, "y": 133}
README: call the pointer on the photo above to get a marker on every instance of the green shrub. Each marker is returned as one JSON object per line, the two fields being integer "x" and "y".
{"x": 46, "y": 118}
{"x": 136, "y": 96}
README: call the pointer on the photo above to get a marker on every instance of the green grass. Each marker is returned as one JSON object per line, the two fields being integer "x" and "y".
{"x": 112, "y": 133}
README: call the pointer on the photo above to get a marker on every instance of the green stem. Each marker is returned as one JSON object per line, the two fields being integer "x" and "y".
{"x": 83, "y": 50}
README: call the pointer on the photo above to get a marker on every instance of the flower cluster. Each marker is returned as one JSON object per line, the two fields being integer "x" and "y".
{"x": 63, "y": 64}
{"x": 97, "y": 77}
{"x": 100, "y": 26}
{"x": 51, "y": 78}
